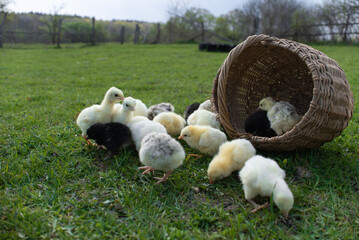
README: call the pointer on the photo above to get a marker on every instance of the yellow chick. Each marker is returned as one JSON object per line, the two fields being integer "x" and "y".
{"x": 173, "y": 122}
{"x": 262, "y": 176}
{"x": 99, "y": 113}
{"x": 231, "y": 157}
{"x": 203, "y": 138}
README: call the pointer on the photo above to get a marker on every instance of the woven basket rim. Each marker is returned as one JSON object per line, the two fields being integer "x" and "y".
{"x": 295, "y": 48}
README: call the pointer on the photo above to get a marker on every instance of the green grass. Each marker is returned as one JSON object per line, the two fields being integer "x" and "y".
{"x": 53, "y": 186}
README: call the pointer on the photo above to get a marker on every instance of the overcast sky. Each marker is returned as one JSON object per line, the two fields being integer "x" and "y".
{"x": 142, "y": 10}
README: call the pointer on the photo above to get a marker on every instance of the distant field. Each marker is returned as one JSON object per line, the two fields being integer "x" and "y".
{"x": 53, "y": 186}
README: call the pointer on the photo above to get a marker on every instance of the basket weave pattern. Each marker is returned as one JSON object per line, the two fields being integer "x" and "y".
{"x": 264, "y": 66}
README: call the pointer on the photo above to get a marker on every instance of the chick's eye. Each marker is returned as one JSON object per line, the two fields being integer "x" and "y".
{"x": 116, "y": 95}
{"x": 185, "y": 135}
{"x": 126, "y": 105}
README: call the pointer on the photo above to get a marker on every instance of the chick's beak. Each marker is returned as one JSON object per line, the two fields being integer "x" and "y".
{"x": 285, "y": 214}
{"x": 210, "y": 181}
{"x": 180, "y": 137}
{"x": 122, "y": 98}
{"x": 133, "y": 108}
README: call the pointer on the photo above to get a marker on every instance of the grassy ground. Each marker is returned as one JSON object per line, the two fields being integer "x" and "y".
{"x": 53, "y": 186}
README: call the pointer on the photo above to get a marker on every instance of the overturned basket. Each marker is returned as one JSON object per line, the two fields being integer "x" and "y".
{"x": 263, "y": 66}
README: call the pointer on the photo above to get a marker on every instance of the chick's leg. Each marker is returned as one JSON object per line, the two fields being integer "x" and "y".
{"x": 88, "y": 141}
{"x": 147, "y": 169}
{"x": 194, "y": 155}
{"x": 164, "y": 178}
{"x": 257, "y": 206}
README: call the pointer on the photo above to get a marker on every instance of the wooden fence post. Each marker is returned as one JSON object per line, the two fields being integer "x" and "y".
{"x": 93, "y": 38}
{"x": 2, "y": 28}
{"x": 59, "y": 34}
{"x": 122, "y": 35}
{"x": 137, "y": 34}
{"x": 158, "y": 36}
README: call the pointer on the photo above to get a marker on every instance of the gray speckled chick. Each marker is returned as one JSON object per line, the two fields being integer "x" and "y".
{"x": 154, "y": 110}
{"x": 159, "y": 151}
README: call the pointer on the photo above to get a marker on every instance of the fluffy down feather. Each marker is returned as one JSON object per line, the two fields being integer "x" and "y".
{"x": 204, "y": 118}
{"x": 262, "y": 176}
{"x": 258, "y": 124}
{"x": 154, "y": 110}
{"x": 231, "y": 157}
{"x": 114, "y": 136}
{"x": 203, "y": 138}
{"x": 141, "y": 109}
{"x": 282, "y": 115}
{"x": 141, "y": 126}
{"x": 190, "y": 109}
{"x": 124, "y": 113}
{"x": 159, "y": 151}
{"x": 173, "y": 122}
{"x": 206, "y": 105}
{"x": 99, "y": 113}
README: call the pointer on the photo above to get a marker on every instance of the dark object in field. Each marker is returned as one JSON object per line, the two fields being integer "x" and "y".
{"x": 190, "y": 109}
{"x": 225, "y": 47}
{"x": 203, "y": 46}
{"x": 114, "y": 136}
{"x": 212, "y": 47}
{"x": 215, "y": 47}
{"x": 258, "y": 124}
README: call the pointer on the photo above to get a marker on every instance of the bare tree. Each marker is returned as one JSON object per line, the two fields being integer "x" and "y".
{"x": 3, "y": 15}
{"x": 52, "y": 23}
{"x": 340, "y": 16}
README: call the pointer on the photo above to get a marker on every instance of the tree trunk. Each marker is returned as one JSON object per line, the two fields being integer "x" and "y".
{"x": 93, "y": 39}
{"x": 202, "y": 33}
{"x": 2, "y": 24}
{"x": 59, "y": 34}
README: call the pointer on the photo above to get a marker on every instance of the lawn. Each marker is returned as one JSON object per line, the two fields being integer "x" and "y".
{"x": 54, "y": 186}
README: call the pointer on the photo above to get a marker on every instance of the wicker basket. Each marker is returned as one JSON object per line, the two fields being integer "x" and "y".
{"x": 263, "y": 66}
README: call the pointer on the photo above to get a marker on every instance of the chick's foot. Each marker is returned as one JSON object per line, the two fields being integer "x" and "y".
{"x": 257, "y": 206}
{"x": 147, "y": 169}
{"x": 164, "y": 178}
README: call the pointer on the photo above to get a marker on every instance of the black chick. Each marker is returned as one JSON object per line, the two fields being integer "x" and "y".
{"x": 258, "y": 124}
{"x": 190, "y": 109}
{"x": 114, "y": 136}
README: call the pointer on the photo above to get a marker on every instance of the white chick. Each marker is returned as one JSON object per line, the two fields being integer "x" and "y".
{"x": 141, "y": 126}
{"x": 281, "y": 115}
{"x": 206, "y": 105}
{"x": 203, "y": 138}
{"x": 141, "y": 109}
{"x": 99, "y": 113}
{"x": 204, "y": 118}
{"x": 159, "y": 151}
{"x": 262, "y": 176}
{"x": 231, "y": 157}
{"x": 124, "y": 113}
{"x": 154, "y": 110}
{"x": 173, "y": 122}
